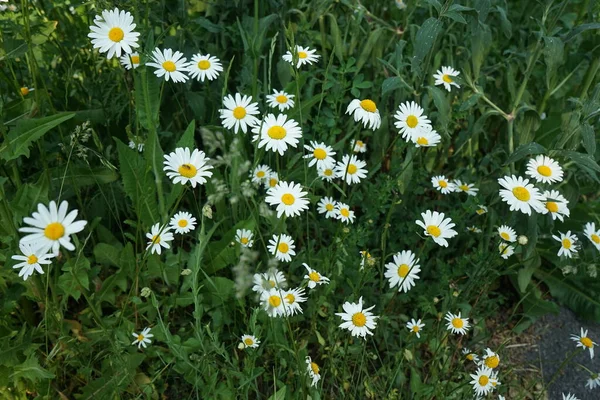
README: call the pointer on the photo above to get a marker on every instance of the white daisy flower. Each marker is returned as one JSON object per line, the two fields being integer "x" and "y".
{"x": 304, "y": 54}
{"x": 468, "y": 188}
{"x": 204, "y": 67}
{"x": 415, "y": 327}
{"x": 280, "y": 99}
{"x": 183, "y": 222}
{"x": 277, "y": 133}
{"x": 544, "y": 169}
{"x": 272, "y": 301}
{"x": 567, "y": 241}
{"x": 272, "y": 180}
{"x": 244, "y": 237}
{"x": 327, "y": 206}
{"x": 569, "y": 397}
{"x": 314, "y": 277}
{"x": 260, "y": 174}
{"x": 357, "y": 320}
{"x": 473, "y": 229}
{"x": 321, "y": 155}
{"x": 292, "y": 299}
{"x": 481, "y": 210}
{"x": 585, "y": 342}
{"x": 313, "y": 371}
{"x": 521, "y": 195}
{"x": 410, "y": 120}
{"x": 457, "y": 324}
{"x": 494, "y": 380}
{"x": 327, "y": 174}
{"x": 469, "y": 355}
{"x": 239, "y": 113}
{"x": 143, "y": 338}
{"x": 482, "y": 384}
{"x": 366, "y": 112}
{"x": 250, "y": 341}
{"x": 507, "y": 233}
{"x": 505, "y": 250}
{"x": 289, "y": 199}
{"x": 32, "y": 259}
{"x": 426, "y": 137}
{"x": 490, "y": 359}
{"x": 130, "y": 61}
{"x": 171, "y": 65}
{"x": 183, "y": 167}
{"x": 273, "y": 278}
{"x": 593, "y": 382}
{"x": 113, "y": 33}
{"x": 365, "y": 258}
{"x": 282, "y": 247}
{"x": 159, "y": 238}
{"x": 403, "y": 271}
{"x": 437, "y": 227}
{"x": 344, "y": 213}
{"x": 592, "y": 234}
{"x": 52, "y": 227}
{"x": 442, "y": 184}
{"x": 351, "y": 169}
{"x": 445, "y": 77}
{"x": 358, "y": 146}
{"x": 556, "y": 205}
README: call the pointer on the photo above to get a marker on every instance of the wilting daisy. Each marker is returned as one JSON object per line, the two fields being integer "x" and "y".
{"x": 365, "y": 259}
{"x": 282, "y": 247}
{"x": 344, "y": 213}
{"x": 521, "y": 195}
{"x": 556, "y": 205}
{"x": 183, "y": 167}
{"x": 593, "y": 381}
{"x": 481, "y": 382}
{"x": 260, "y": 173}
{"x": 495, "y": 381}
{"x": 313, "y": 371}
{"x": 244, "y": 237}
{"x": 327, "y": 206}
{"x": 507, "y": 233}
{"x": 426, "y": 137}
{"x": 567, "y": 242}
{"x": 280, "y": 99}
{"x": 490, "y": 359}
{"x": 357, "y": 320}
{"x": 569, "y": 397}
{"x": 437, "y": 227}
{"x": 314, "y": 277}
{"x": 544, "y": 169}
{"x": 204, "y": 67}
{"x": 171, "y": 65}
{"x": 584, "y": 341}
{"x": 366, "y": 112}
{"x": 469, "y": 355}
{"x": 25, "y": 90}
{"x": 358, "y": 146}
{"x": 249, "y": 341}
{"x": 327, "y": 174}
{"x": 239, "y": 112}
{"x": 289, "y": 199}
{"x": 403, "y": 271}
{"x": 142, "y": 338}
{"x": 481, "y": 210}
{"x": 592, "y": 234}
{"x": 272, "y": 180}
{"x": 410, "y": 120}
{"x": 456, "y": 324}
{"x": 113, "y": 33}
{"x": 273, "y": 278}
{"x": 272, "y": 301}
{"x": 441, "y": 183}
{"x": 32, "y": 259}
{"x": 130, "y": 61}
{"x": 159, "y": 238}
{"x": 183, "y": 222}
{"x": 292, "y": 299}
{"x": 304, "y": 55}
{"x": 351, "y": 169}
{"x": 468, "y": 188}
{"x": 52, "y": 227}
{"x": 276, "y": 133}
{"x": 505, "y": 250}
{"x": 320, "y": 154}
{"x": 415, "y": 327}
{"x": 445, "y": 77}
{"x": 473, "y": 229}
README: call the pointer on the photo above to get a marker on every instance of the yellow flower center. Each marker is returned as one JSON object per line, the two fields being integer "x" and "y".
{"x": 283, "y": 247}
{"x": 470, "y": 357}
{"x": 276, "y": 132}
{"x": 244, "y": 240}
{"x": 302, "y": 54}
{"x": 248, "y": 341}
{"x": 273, "y": 182}
{"x": 345, "y": 212}
{"x": 314, "y": 276}
{"x": 492, "y": 361}
{"x": 521, "y": 193}
{"x": 483, "y": 380}
{"x": 169, "y": 66}
{"x": 272, "y": 283}
{"x": 457, "y": 323}
{"x": 552, "y": 206}
{"x": 24, "y": 91}
{"x": 544, "y": 170}
{"x": 155, "y": 239}
{"x": 412, "y": 121}
{"x": 140, "y": 337}
{"x": 352, "y": 169}
{"x": 566, "y": 243}
{"x": 32, "y": 259}
{"x": 595, "y": 238}
{"x": 359, "y": 143}
{"x": 187, "y": 170}
{"x": 443, "y": 184}
{"x": 368, "y": 105}
{"x": 403, "y": 270}
{"x": 422, "y": 141}
{"x": 288, "y": 199}
{"x": 182, "y": 223}
{"x": 433, "y": 230}
{"x": 446, "y": 78}
{"x": 359, "y": 319}
{"x": 135, "y": 59}
{"x": 315, "y": 368}
{"x": 328, "y": 172}
{"x": 415, "y": 329}
{"x": 319, "y": 154}
{"x": 239, "y": 112}
{"x": 329, "y": 207}
{"x": 281, "y": 99}
{"x": 204, "y": 64}
{"x": 290, "y": 298}
{"x": 275, "y": 301}
{"x": 587, "y": 342}
{"x": 464, "y": 188}
{"x": 505, "y": 236}
{"x": 116, "y": 34}
{"x": 260, "y": 174}
{"x": 54, "y": 231}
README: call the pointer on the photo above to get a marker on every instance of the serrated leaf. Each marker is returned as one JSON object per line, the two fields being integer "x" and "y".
{"x": 75, "y": 277}
{"x": 481, "y": 41}
{"x": 589, "y": 138}
{"x": 525, "y": 150}
{"x": 583, "y": 161}
{"x": 31, "y": 370}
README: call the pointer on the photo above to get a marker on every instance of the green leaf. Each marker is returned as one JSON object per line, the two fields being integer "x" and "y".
{"x": 554, "y": 57}
{"x": 279, "y": 395}
{"x": 481, "y": 40}
{"x": 187, "y": 139}
{"x": 80, "y": 176}
{"x": 424, "y": 40}
{"x": 439, "y": 98}
{"x": 525, "y": 150}
{"x": 589, "y": 138}
{"x": 391, "y": 83}
{"x": 579, "y": 29}
{"x": 31, "y": 370}
{"x": 338, "y": 45}
{"x": 75, "y": 277}
{"x": 368, "y": 47}
{"x": 415, "y": 381}
{"x": 107, "y": 254}
{"x": 147, "y": 99}
{"x": 470, "y": 102}
{"x": 584, "y": 161}
{"x": 27, "y": 131}
{"x": 456, "y": 16}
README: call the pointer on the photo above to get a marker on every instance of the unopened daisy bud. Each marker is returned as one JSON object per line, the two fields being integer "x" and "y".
{"x": 455, "y": 293}
{"x": 186, "y": 272}
{"x": 592, "y": 271}
{"x": 207, "y": 211}
{"x": 436, "y": 300}
{"x": 146, "y": 292}
{"x": 523, "y": 240}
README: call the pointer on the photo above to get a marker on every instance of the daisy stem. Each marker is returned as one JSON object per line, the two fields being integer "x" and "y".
{"x": 575, "y": 352}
